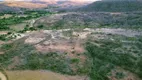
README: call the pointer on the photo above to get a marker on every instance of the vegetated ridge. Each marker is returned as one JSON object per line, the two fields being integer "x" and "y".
{"x": 113, "y": 6}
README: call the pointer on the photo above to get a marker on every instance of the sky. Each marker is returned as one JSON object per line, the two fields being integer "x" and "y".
{"x": 59, "y": 0}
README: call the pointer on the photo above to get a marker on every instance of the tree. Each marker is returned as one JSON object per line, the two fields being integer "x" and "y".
{"x": 40, "y": 26}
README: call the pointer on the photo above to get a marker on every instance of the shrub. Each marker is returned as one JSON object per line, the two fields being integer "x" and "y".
{"x": 75, "y": 60}
{"x": 40, "y": 26}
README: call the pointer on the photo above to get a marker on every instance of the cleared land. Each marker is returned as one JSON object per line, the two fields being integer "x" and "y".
{"x": 63, "y": 51}
{"x": 84, "y": 44}
{"x": 39, "y": 75}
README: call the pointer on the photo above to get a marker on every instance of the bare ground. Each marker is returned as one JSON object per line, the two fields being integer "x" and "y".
{"x": 2, "y": 76}
{"x": 127, "y": 75}
{"x": 40, "y": 75}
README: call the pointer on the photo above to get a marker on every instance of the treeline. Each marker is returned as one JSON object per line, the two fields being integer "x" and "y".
{"x": 4, "y": 22}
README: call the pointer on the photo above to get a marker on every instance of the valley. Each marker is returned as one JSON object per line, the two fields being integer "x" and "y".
{"x": 88, "y": 44}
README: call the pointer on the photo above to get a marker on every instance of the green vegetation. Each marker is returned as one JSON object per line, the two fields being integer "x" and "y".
{"x": 75, "y": 60}
{"x": 9, "y": 36}
{"x": 40, "y": 26}
{"x": 4, "y": 28}
{"x": 27, "y": 29}
{"x": 103, "y": 54}
{"x": 18, "y": 18}
{"x": 50, "y": 61}
{"x": 3, "y": 37}
{"x": 119, "y": 75}
{"x": 130, "y": 20}
{"x": 6, "y": 37}
{"x": 106, "y": 57}
{"x": 30, "y": 59}
{"x": 113, "y": 6}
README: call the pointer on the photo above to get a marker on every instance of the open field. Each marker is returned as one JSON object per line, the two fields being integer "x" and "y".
{"x": 5, "y": 16}
{"x": 18, "y": 27}
{"x": 40, "y": 75}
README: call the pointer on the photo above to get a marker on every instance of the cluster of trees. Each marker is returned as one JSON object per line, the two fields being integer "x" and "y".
{"x": 15, "y": 19}
{"x": 3, "y": 37}
{"x": 8, "y": 36}
{"x": 4, "y": 28}
{"x": 27, "y": 28}
{"x": 104, "y": 59}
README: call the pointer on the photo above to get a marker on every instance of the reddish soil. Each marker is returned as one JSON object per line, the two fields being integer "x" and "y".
{"x": 60, "y": 47}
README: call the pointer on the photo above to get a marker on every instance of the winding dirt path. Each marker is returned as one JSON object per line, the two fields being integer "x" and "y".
{"x": 2, "y": 76}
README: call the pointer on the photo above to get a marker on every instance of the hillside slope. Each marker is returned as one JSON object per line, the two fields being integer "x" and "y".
{"x": 25, "y": 4}
{"x": 4, "y": 8}
{"x": 113, "y": 6}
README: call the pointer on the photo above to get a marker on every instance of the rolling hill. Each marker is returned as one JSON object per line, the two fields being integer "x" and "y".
{"x": 114, "y": 6}
{"x": 4, "y": 8}
{"x": 32, "y": 4}
{"x": 24, "y": 4}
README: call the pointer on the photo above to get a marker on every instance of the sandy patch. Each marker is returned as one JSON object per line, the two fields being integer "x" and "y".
{"x": 6, "y": 16}
{"x": 1, "y": 53}
{"x": 59, "y": 47}
{"x": 81, "y": 35}
{"x": 2, "y": 42}
{"x": 3, "y": 32}
{"x": 40, "y": 75}
{"x": 119, "y": 31}
{"x": 128, "y": 33}
{"x": 33, "y": 40}
{"x": 2, "y": 76}
{"x": 35, "y": 37}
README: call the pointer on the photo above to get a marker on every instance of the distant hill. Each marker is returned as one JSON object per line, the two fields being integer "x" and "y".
{"x": 114, "y": 6}
{"x": 16, "y": 6}
{"x": 24, "y": 4}
{"x": 70, "y": 4}
{"x": 4, "y": 8}
{"x": 32, "y": 4}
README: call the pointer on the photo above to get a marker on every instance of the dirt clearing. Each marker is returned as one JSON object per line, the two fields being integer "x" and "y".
{"x": 2, "y": 76}
{"x": 40, "y": 75}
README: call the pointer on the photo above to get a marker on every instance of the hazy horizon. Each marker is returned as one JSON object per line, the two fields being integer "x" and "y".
{"x": 52, "y": 0}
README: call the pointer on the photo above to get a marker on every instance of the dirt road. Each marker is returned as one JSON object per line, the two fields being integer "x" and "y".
{"x": 2, "y": 76}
